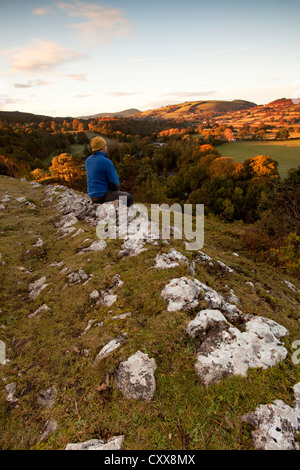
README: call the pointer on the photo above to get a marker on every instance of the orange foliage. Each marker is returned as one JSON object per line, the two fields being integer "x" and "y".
{"x": 11, "y": 168}
{"x": 224, "y": 166}
{"x": 68, "y": 169}
{"x": 262, "y": 165}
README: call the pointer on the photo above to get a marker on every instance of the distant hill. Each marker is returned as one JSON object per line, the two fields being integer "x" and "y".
{"x": 24, "y": 118}
{"x": 192, "y": 108}
{"x": 125, "y": 113}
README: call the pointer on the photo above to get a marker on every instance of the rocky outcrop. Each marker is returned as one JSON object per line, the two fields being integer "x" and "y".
{"x": 181, "y": 293}
{"x": 225, "y": 350}
{"x": 170, "y": 260}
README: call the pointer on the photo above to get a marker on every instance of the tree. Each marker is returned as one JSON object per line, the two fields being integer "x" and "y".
{"x": 283, "y": 134}
{"x": 261, "y": 166}
{"x": 69, "y": 170}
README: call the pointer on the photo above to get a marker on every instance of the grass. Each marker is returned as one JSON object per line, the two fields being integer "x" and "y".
{"x": 286, "y": 153}
{"x": 50, "y": 351}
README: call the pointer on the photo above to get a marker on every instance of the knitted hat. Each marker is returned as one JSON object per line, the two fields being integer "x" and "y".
{"x": 98, "y": 143}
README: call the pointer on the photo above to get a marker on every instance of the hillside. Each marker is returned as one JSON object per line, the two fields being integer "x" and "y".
{"x": 194, "y": 109}
{"x": 126, "y": 113}
{"x": 139, "y": 344}
{"x": 278, "y": 113}
{"x": 24, "y": 118}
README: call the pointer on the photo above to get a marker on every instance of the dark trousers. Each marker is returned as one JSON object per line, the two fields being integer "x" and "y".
{"x": 113, "y": 196}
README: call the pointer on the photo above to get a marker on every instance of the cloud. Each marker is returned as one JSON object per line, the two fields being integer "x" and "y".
{"x": 43, "y": 11}
{"x": 98, "y": 24}
{"x": 81, "y": 96}
{"x": 40, "y": 56}
{"x": 80, "y": 77}
{"x": 31, "y": 84}
{"x": 118, "y": 94}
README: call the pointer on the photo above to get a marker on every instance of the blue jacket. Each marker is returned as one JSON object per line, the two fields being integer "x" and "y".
{"x": 100, "y": 172}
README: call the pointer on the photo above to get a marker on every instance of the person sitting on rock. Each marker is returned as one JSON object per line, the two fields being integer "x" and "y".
{"x": 102, "y": 179}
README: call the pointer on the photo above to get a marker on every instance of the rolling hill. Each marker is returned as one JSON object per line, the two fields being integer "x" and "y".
{"x": 125, "y": 113}
{"x": 193, "y": 109}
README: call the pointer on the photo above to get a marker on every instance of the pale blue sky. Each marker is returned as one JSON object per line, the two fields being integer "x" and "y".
{"x": 77, "y": 57}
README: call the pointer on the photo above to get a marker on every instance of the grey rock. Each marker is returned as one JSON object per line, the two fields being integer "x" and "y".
{"x": 36, "y": 287}
{"x": 47, "y": 397}
{"x": 291, "y": 286}
{"x": 275, "y": 424}
{"x": 225, "y": 350}
{"x": 181, "y": 293}
{"x": 170, "y": 260}
{"x": 110, "y": 347}
{"x": 42, "y": 308}
{"x": 11, "y": 390}
{"x": 135, "y": 377}
{"x": 50, "y": 427}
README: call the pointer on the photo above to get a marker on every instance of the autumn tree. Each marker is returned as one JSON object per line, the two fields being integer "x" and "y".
{"x": 69, "y": 170}
{"x": 261, "y": 166}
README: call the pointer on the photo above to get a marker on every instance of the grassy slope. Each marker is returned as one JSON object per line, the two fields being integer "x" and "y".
{"x": 47, "y": 351}
{"x": 286, "y": 153}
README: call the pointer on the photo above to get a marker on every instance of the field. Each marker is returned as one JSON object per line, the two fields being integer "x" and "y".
{"x": 286, "y": 153}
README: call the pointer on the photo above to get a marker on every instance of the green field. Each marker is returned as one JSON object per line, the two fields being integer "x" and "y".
{"x": 286, "y": 153}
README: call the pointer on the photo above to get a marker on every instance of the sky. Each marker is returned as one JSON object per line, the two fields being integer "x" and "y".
{"x": 77, "y": 57}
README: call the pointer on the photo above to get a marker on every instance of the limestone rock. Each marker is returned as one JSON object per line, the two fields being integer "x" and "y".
{"x": 114, "y": 443}
{"x": 217, "y": 301}
{"x": 11, "y": 390}
{"x": 276, "y": 424}
{"x": 42, "y": 308}
{"x": 106, "y": 296}
{"x": 67, "y": 221}
{"x": 35, "y": 288}
{"x": 97, "y": 245}
{"x": 291, "y": 286}
{"x": 39, "y": 243}
{"x": 47, "y": 397}
{"x": 224, "y": 266}
{"x": 170, "y": 260}
{"x": 225, "y": 350}
{"x": 78, "y": 276}
{"x": 135, "y": 377}
{"x": 50, "y": 427}
{"x": 181, "y": 293}
{"x": 110, "y": 347}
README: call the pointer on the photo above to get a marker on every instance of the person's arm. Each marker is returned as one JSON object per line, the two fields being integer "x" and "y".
{"x": 112, "y": 176}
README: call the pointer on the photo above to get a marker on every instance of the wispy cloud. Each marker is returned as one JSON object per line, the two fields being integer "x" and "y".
{"x": 40, "y": 56}
{"x": 79, "y": 77}
{"x": 32, "y": 83}
{"x": 43, "y": 11}
{"x": 97, "y": 24}
{"x": 118, "y": 94}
